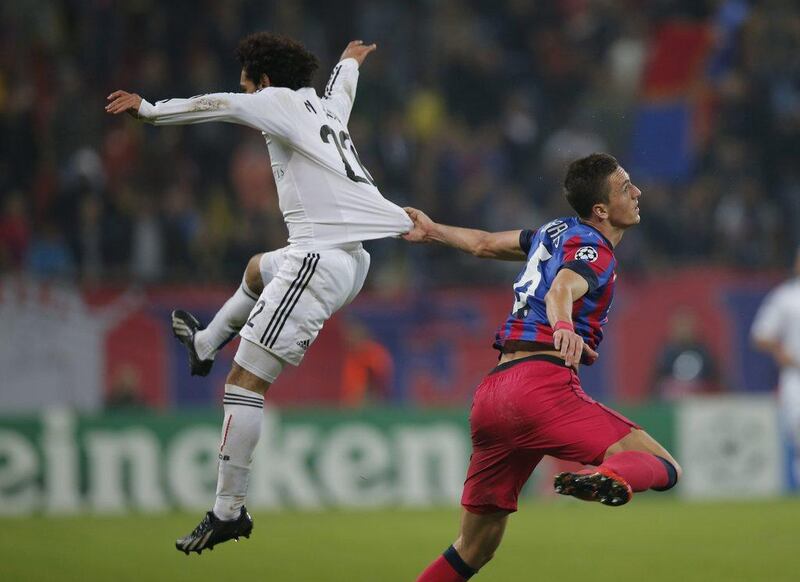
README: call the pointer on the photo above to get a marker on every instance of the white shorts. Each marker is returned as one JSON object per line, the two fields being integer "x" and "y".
{"x": 304, "y": 288}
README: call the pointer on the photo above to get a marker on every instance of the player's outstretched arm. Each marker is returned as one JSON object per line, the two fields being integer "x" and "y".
{"x": 487, "y": 245}
{"x": 567, "y": 288}
{"x": 340, "y": 92}
{"x": 260, "y": 112}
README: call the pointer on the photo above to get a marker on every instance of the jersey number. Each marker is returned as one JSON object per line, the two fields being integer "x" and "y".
{"x": 327, "y": 133}
{"x": 526, "y": 285}
{"x": 258, "y": 309}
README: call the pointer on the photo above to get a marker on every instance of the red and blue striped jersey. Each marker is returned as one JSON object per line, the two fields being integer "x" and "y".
{"x": 565, "y": 243}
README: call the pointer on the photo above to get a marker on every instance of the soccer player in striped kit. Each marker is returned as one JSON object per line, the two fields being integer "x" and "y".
{"x": 532, "y": 403}
{"x": 330, "y": 204}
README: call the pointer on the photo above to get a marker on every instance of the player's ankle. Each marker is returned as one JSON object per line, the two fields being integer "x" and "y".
{"x": 202, "y": 347}
{"x": 227, "y": 509}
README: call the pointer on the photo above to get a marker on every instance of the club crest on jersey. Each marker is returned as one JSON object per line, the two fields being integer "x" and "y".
{"x": 586, "y": 254}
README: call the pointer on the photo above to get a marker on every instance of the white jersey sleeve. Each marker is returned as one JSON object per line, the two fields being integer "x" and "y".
{"x": 268, "y": 110}
{"x": 340, "y": 92}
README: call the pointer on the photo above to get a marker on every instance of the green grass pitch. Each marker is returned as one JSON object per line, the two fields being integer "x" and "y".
{"x": 650, "y": 540}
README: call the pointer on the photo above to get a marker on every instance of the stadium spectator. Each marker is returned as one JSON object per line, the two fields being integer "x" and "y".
{"x": 366, "y": 369}
{"x": 15, "y": 233}
{"x": 685, "y": 366}
{"x": 125, "y": 392}
{"x": 49, "y": 255}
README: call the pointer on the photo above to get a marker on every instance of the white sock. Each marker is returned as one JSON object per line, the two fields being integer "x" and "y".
{"x": 240, "y": 431}
{"x": 226, "y": 323}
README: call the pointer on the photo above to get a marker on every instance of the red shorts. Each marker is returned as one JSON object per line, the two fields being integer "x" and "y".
{"x": 526, "y": 409}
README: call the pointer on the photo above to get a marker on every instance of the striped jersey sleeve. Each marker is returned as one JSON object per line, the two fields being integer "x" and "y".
{"x": 591, "y": 260}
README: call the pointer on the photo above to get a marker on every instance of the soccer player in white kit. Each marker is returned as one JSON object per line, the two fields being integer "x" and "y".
{"x": 776, "y": 330}
{"x": 330, "y": 204}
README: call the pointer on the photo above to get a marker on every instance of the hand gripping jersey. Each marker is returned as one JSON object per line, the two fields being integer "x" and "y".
{"x": 565, "y": 243}
{"x": 326, "y": 195}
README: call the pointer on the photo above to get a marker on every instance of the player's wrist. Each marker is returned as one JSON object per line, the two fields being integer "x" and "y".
{"x": 564, "y": 325}
{"x": 350, "y": 61}
{"x": 435, "y": 233}
{"x": 145, "y": 109}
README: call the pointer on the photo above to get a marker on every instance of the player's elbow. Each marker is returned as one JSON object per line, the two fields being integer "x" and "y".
{"x": 483, "y": 248}
{"x": 556, "y": 293}
{"x": 762, "y": 344}
{"x": 548, "y": 297}
{"x": 481, "y": 251}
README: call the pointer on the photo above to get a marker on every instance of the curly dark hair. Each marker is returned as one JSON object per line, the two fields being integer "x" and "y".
{"x": 286, "y": 62}
{"x": 586, "y": 182}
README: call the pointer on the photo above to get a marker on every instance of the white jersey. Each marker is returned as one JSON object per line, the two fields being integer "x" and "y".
{"x": 778, "y": 320}
{"x": 326, "y": 195}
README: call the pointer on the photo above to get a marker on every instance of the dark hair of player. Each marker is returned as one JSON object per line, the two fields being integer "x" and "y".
{"x": 586, "y": 182}
{"x": 286, "y": 62}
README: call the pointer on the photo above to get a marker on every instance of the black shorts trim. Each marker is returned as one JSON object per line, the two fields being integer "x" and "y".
{"x": 535, "y": 357}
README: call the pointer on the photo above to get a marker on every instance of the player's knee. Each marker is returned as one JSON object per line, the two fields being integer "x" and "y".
{"x": 252, "y": 274}
{"x": 238, "y": 376}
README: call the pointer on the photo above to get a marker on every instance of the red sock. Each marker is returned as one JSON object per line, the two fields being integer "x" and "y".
{"x": 642, "y": 471}
{"x": 440, "y": 571}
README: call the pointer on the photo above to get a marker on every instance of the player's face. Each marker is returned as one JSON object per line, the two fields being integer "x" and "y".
{"x": 246, "y": 84}
{"x": 623, "y": 200}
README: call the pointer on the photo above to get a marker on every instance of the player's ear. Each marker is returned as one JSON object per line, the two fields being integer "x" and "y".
{"x": 263, "y": 83}
{"x": 600, "y": 211}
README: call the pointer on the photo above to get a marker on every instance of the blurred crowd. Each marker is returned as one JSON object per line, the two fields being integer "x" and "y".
{"x": 469, "y": 110}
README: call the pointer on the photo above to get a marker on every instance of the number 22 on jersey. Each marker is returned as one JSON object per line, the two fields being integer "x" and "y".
{"x": 328, "y": 134}
{"x": 526, "y": 285}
